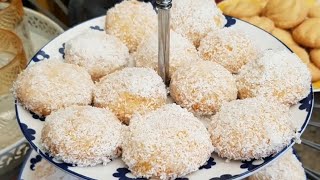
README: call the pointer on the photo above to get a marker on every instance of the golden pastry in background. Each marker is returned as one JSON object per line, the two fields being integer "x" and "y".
{"x": 315, "y": 72}
{"x": 314, "y": 12}
{"x": 315, "y": 57}
{"x": 284, "y": 36}
{"x": 308, "y": 33}
{"x": 262, "y": 22}
{"x": 241, "y": 8}
{"x": 301, "y": 52}
{"x": 286, "y": 14}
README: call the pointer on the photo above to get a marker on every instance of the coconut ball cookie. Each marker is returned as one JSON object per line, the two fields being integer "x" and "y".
{"x": 202, "y": 87}
{"x": 262, "y": 22}
{"x": 308, "y": 33}
{"x": 286, "y": 167}
{"x": 181, "y": 51}
{"x": 251, "y": 128}
{"x": 130, "y": 21}
{"x": 194, "y": 19}
{"x": 280, "y": 74}
{"x": 286, "y": 14}
{"x": 228, "y": 47}
{"x": 98, "y": 52}
{"x": 82, "y": 135}
{"x": 129, "y": 91}
{"x": 50, "y": 85}
{"x": 166, "y": 143}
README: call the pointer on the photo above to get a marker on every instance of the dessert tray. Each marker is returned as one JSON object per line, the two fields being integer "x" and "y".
{"x": 215, "y": 168}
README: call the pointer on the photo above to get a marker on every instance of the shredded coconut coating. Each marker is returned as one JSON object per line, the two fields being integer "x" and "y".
{"x": 251, "y": 128}
{"x": 130, "y": 90}
{"x": 50, "y": 85}
{"x": 195, "y": 19}
{"x": 165, "y": 144}
{"x": 98, "y": 52}
{"x": 286, "y": 167}
{"x": 202, "y": 87}
{"x": 181, "y": 51}
{"x": 131, "y": 21}
{"x": 279, "y": 74}
{"x": 228, "y": 47}
{"x": 83, "y": 135}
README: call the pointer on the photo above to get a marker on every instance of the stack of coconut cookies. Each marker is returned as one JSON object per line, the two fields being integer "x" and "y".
{"x": 106, "y": 100}
{"x": 295, "y": 22}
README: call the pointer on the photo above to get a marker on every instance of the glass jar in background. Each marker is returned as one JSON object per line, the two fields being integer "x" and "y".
{"x": 12, "y": 60}
{"x": 11, "y": 18}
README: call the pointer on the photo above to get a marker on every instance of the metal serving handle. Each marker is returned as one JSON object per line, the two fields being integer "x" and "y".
{"x": 164, "y": 38}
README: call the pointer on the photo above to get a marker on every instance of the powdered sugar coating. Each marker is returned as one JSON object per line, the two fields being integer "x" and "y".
{"x": 202, "y": 87}
{"x": 251, "y": 128}
{"x": 165, "y": 144}
{"x": 194, "y": 19}
{"x": 228, "y": 47}
{"x": 181, "y": 51}
{"x": 286, "y": 167}
{"x": 280, "y": 74}
{"x": 131, "y": 21}
{"x": 83, "y": 135}
{"x": 130, "y": 90}
{"x": 50, "y": 85}
{"x": 98, "y": 52}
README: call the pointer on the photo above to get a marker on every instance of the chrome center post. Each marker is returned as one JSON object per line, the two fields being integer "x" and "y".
{"x": 164, "y": 7}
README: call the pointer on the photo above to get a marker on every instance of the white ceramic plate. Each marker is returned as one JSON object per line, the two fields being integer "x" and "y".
{"x": 215, "y": 168}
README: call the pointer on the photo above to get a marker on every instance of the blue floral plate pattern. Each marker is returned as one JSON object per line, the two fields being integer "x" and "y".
{"x": 215, "y": 168}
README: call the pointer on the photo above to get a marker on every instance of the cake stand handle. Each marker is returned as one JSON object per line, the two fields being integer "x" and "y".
{"x": 164, "y": 38}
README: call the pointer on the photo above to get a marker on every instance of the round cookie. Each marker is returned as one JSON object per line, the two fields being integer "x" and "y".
{"x": 131, "y": 21}
{"x": 241, "y": 8}
{"x": 315, "y": 72}
{"x": 279, "y": 74}
{"x": 98, "y": 52}
{"x": 50, "y": 85}
{"x": 181, "y": 51}
{"x": 315, "y": 57}
{"x": 202, "y": 87}
{"x": 262, "y": 22}
{"x": 259, "y": 128}
{"x": 130, "y": 90}
{"x": 194, "y": 19}
{"x": 301, "y": 52}
{"x": 82, "y": 135}
{"x": 283, "y": 36}
{"x": 166, "y": 143}
{"x": 286, "y": 167}
{"x": 228, "y": 47}
{"x": 314, "y": 12}
{"x": 286, "y": 14}
{"x": 308, "y": 33}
